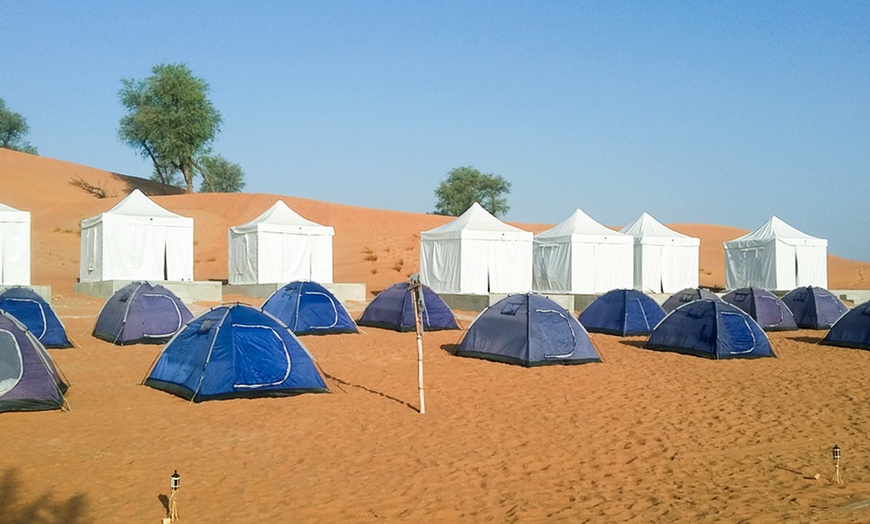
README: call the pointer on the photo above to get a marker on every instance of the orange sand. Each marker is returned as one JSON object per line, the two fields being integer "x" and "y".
{"x": 644, "y": 437}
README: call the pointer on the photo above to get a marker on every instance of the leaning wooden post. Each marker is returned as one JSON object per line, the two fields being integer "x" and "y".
{"x": 417, "y": 293}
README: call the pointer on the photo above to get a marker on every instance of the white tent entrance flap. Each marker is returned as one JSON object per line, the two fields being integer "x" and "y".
{"x": 136, "y": 240}
{"x": 280, "y": 246}
{"x": 476, "y": 254}
{"x": 14, "y": 246}
{"x": 776, "y": 256}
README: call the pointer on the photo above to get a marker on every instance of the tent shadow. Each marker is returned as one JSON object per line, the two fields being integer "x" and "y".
{"x": 44, "y": 509}
{"x": 633, "y": 343}
{"x": 367, "y": 389}
{"x": 450, "y": 349}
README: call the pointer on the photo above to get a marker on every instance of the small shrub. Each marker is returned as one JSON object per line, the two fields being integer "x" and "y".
{"x": 371, "y": 257}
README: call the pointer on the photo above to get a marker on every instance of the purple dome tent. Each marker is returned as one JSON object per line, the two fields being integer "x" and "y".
{"x": 29, "y": 380}
{"x": 852, "y": 330}
{"x": 763, "y": 306}
{"x": 710, "y": 328}
{"x": 814, "y": 307}
{"x": 393, "y": 308}
{"x": 529, "y": 330}
{"x": 141, "y": 313}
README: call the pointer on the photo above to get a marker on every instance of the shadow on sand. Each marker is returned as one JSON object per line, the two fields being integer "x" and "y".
{"x": 339, "y": 382}
{"x": 43, "y": 510}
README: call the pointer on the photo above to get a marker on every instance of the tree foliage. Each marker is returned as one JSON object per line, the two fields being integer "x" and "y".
{"x": 465, "y": 186}
{"x": 221, "y": 175}
{"x": 13, "y": 129}
{"x": 170, "y": 120}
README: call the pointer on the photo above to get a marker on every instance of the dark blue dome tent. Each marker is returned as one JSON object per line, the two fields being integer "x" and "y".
{"x": 766, "y": 308}
{"x": 34, "y": 312}
{"x": 29, "y": 380}
{"x": 713, "y": 329}
{"x": 687, "y": 295}
{"x": 308, "y": 308}
{"x": 141, "y": 313}
{"x": 393, "y": 308}
{"x": 622, "y": 312}
{"x": 235, "y": 351}
{"x": 852, "y": 330}
{"x": 814, "y": 307}
{"x": 529, "y": 330}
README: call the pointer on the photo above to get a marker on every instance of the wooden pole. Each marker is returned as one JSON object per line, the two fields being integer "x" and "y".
{"x": 416, "y": 290}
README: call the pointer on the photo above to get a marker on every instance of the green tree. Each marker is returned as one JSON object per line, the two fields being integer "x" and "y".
{"x": 465, "y": 186}
{"x": 170, "y": 120}
{"x": 221, "y": 176}
{"x": 13, "y": 129}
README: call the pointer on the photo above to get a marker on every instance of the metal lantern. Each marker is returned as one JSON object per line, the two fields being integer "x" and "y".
{"x": 175, "y": 481}
{"x": 836, "y": 452}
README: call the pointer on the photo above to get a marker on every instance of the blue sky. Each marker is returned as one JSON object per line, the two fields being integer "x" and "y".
{"x": 707, "y": 112}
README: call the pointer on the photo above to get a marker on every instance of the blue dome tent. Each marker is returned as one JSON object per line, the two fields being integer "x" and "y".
{"x": 393, "y": 308}
{"x": 308, "y": 308}
{"x": 852, "y": 330}
{"x": 529, "y": 330}
{"x": 713, "y": 329}
{"x": 29, "y": 380}
{"x": 814, "y": 307}
{"x": 235, "y": 351}
{"x": 34, "y": 312}
{"x": 141, "y": 313}
{"x": 622, "y": 312}
{"x": 687, "y": 295}
{"x": 763, "y": 306}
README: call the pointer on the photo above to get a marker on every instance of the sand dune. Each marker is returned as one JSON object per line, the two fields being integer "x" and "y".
{"x": 643, "y": 437}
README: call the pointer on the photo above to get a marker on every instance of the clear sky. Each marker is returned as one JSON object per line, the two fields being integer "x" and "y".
{"x": 706, "y": 112}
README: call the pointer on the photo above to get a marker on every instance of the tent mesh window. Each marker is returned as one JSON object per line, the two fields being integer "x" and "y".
{"x": 205, "y": 327}
{"x": 510, "y": 309}
{"x": 10, "y": 362}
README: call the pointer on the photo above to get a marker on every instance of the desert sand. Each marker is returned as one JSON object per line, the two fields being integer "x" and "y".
{"x": 643, "y": 437}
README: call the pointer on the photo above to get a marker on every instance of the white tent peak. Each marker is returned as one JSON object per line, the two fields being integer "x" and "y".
{"x": 475, "y": 218}
{"x": 647, "y": 226}
{"x": 776, "y": 228}
{"x": 280, "y": 214}
{"x": 138, "y": 204}
{"x": 578, "y": 224}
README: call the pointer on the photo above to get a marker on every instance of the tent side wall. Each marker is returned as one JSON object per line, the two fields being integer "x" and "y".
{"x": 440, "y": 264}
{"x": 91, "y": 256}
{"x": 15, "y": 256}
{"x": 613, "y": 267}
{"x": 242, "y": 253}
{"x": 747, "y": 266}
{"x": 553, "y": 270}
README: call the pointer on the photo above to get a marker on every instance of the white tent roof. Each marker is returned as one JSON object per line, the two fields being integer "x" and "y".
{"x": 579, "y": 227}
{"x": 10, "y": 214}
{"x": 281, "y": 219}
{"x": 775, "y": 229}
{"x": 135, "y": 207}
{"x": 476, "y": 223}
{"x": 648, "y": 230}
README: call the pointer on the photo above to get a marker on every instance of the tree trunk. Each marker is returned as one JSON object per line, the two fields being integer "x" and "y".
{"x": 188, "y": 177}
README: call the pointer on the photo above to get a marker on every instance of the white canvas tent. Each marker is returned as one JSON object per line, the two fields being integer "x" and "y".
{"x": 665, "y": 261}
{"x": 582, "y": 256}
{"x": 278, "y": 247}
{"x": 136, "y": 240}
{"x": 776, "y": 256}
{"x": 476, "y": 254}
{"x": 14, "y": 246}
